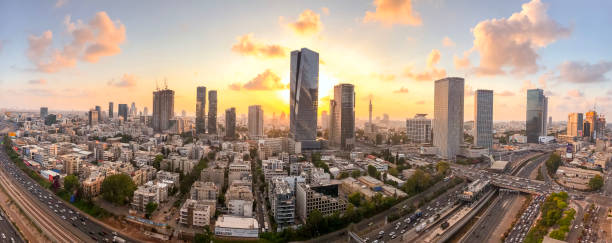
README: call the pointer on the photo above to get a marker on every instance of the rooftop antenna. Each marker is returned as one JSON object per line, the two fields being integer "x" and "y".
{"x": 165, "y": 83}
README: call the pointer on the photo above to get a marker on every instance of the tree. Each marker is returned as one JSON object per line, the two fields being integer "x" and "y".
{"x": 596, "y": 182}
{"x": 372, "y": 171}
{"x": 71, "y": 183}
{"x": 393, "y": 171}
{"x": 442, "y": 167}
{"x": 355, "y": 198}
{"x": 118, "y": 189}
{"x": 157, "y": 161}
{"x": 343, "y": 175}
{"x": 150, "y": 208}
{"x": 355, "y": 173}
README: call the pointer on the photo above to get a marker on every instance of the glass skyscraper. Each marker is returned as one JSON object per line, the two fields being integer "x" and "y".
{"x": 483, "y": 118}
{"x": 200, "y": 110}
{"x": 535, "y": 120}
{"x": 304, "y": 96}
{"x": 212, "y": 112}
{"x": 342, "y": 117}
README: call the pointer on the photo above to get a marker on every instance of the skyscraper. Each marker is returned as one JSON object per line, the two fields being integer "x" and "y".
{"x": 574, "y": 124}
{"x": 200, "y": 110}
{"x": 591, "y": 120}
{"x": 99, "y": 110}
{"x": 212, "y": 112}
{"x": 324, "y": 120}
{"x": 418, "y": 129}
{"x": 111, "y": 106}
{"x": 146, "y": 111}
{"x": 93, "y": 117}
{"x": 370, "y": 111}
{"x": 122, "y": 111}
{"x": 483, "y": 118}
{"x": 133, "y": 111}
{"x": 230, "y": 122}
{"x": 535, "y": 123}
{"x": 163, "y": 109}
{"x": 342, "y": 117}
{"x": 256, "y": 121}
{"x": 304, "y": 96}
{"x": 448, "y": 116}
{"x": 44, "y": 111}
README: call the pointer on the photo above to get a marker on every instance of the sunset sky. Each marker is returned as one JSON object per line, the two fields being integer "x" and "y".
{"x": 73, "y": 55}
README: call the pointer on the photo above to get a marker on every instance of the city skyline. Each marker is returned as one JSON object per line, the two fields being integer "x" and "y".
{"x": 259, "y": 55}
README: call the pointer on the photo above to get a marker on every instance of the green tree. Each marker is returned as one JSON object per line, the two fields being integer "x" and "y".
{"x": 596, "y": 182}
{"x": 372, "y": 171}
{"x": 150, "y": 208}
{"x": 343, "y": 175}
{"x": 355, "y": 198}
{"x": 393, "y": 171}
{"x": 71, "y": 183}
{"x": 355, "y": 173}
{"x": 442, "y": 167}
{"x": 118, "y": 189}
{"x": 157, "y": 161}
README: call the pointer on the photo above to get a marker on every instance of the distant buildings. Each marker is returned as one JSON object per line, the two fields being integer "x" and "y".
{"x": 448, "y": 116}
{"x": 574, "y": 124}
{"x": 304, "y": 96}
{"x": 483, "y": 118}
{"x": 342, "y": 117}
{"x": 123, "y": 111}
{"x": 111, "y": 107}
{"x": 93, "y": 117}
{"x": 163, "y": 109}
{"x": 256, "y": 121}
{"x": 418, "y": 129}
{"x": 212, "y": 112}
{"x": 537, "y": 111}
{"x": 44, "y": 111}
{"x": 200, "y": 110}
{"x": 99, "y": 110}
{"x": 230, "y": 123}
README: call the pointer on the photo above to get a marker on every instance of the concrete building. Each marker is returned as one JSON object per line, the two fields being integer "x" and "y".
{"x": 111, "y": 109}
{"x": 149, "y": 193}
{"x": 239, "y": 200}
{"x": 195, "y": 213}
{"x": 342, "y": 117}
{"x": 163, "y": 109}
{"x": 122, "y": 111}
{"x": 99, "y": 110}
{"x": 574, "y": 124}
{"x": 212, "y": 112}
{"x": 232, "y": 226}
{"x": 483, "y": 118}
{"x": 448, "y": 116}
{"x": 238, "y": 170}
{"x": 203, "y": 191}
{"x": 44, "y": 111}
{"x": 418, "y": 129}
{"x": 213, "y": 174}
{"x": 230, "y": 123}
{"x": 308, "y": 200}
{"x": 92, "y": 185}
{"x": 256, "y": 122}
{"x": 576, "y": 178}
{"x": 304, "y": 96}
{"x": 537, "y": 109}
{"x": 200, "y": 110}
{"x": 93, "y": 117}
{"x": 71, "y": 164}
{"x": 282, "y": 202}
{"x": 168, "y": 176}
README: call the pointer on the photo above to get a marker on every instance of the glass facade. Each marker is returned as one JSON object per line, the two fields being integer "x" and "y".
{"x": 535, "y": 120}
{"x": 304, "y": 95}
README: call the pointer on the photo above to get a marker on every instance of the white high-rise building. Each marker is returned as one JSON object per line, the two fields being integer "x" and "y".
{"x": 448, "y": 116}
{"x": 256, "y": 121}
{"x": 483, "y": 118}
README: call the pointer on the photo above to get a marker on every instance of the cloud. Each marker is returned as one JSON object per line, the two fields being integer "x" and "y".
{"x": 325, "y": 10}
{"x": 575, "y": 93}
{"x": 431, "y": 73}
{"x": 37, "y": 81}
{"x": 420, "y": 102}
{"x": 582, "y": 72}
{"x": 543, "y": 79}
{"x": 60, "y": 3}
{"x": 512, "y": 43}
{"x": 461, "y": 63}
{"x": 126, "y": 81}
{"x": 447, "y": 42}
{"x": 267, "y": 80}
{"x": 505, "y": 93}
{"x": 527, "y": 84}
{"x": 384, "y": 77}
{"x": 390, "y": 12}
{"x": 609, "y": 92}
{"x": 402, "y": 90}
{"x": 98, "y": 38}
{"x": 248, "y": 46}
{"x": 308, "y": 23}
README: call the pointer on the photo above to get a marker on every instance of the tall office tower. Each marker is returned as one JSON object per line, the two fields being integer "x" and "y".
{"x": 483, "y": 118}
{"x": 304, "y": 96}
{"x": 256, "y": 121}
{"x": 212, "y": 112}
{"x": 342, "y": 117}
{"x": 324, "y": 120}
{"x": 93, "y": 117}
{"x": 545, "y": 125}
{"x": 200, "y": 110}
{"x": 163, "y": 109}
{"x": 549, "y": 119}
{"x": 133, "y": 111}
{"x": 230, "y": 122}
{"x": 44, "y": 111}
{"x": 370, "y": 111}
{"x": 448, "y": 116}
{"x": 122, "y": 111}
{"x": 601, "y": 127}
{"x": 591, "y": 119}
{"x": 418, "y": 129}
{"x": 111, "y": 108}
{"x": 146, "y": 111}
{"x": 535, "y": 122}
{"x": 99, "y": 110}
{"x": 574, "y": 125}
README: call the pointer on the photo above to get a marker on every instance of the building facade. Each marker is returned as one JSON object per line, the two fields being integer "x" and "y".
{"x": 304, "y": 95}
{"x": 418, "y": 129}
{"x": 44, "y": 111}
{"x": 342, "y": 117}
{"x": 483, "y": 118}
{"x": 448, "y": 116}
{"x": 122, "y": 111}
{"x": 111, "y": 109}
{"x": 230, "y": 123}
{"x": 200, "y": 110}
{"x": 212, "y": 112}
{"x": 256, "y": 121}
{"x": 163, "y": 109}
{"x": 308, "y": 200}
{"x": 575, "y": 124}
{"x": 537, "y": 109}
{"x": 93, "y": 117}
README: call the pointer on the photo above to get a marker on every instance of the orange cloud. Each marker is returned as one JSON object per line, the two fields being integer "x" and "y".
{"x": 575, "y": 93}
{"x": 250, "y": 47}
{"x": 447, "y": 42}
{"x": 390, "y": 12}
{"x": 37, "y": 81}
{"x": 100, "y": 37}
{"x": 127, "y": 80}
{"x": 267, "y": 80}
{"x": 512, "y": 43}
{"x": 402, "y": 90}
{"x": 308, "y": 23}
{"x": 505, "y": 93}
{"x": 431, "y": 73}
{"x": 461, "y": 63}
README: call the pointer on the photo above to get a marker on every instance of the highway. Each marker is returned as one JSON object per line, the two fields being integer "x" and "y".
{"x": 522, "y": 226}
{"x": 8, "y": 232}
{"x": 483, "y": 230}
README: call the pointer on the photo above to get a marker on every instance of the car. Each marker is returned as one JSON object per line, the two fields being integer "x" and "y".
{"x": 380, "y": 233}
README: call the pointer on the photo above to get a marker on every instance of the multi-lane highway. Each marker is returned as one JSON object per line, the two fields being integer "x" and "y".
{"x": 8, "y": 232}
{"x": 522, "y": 226}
